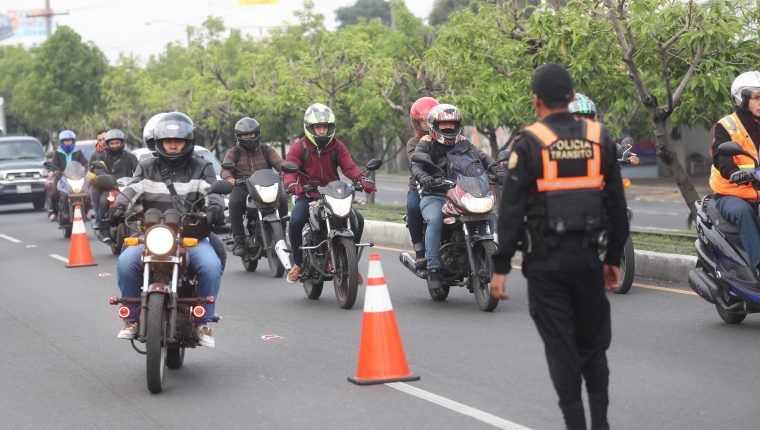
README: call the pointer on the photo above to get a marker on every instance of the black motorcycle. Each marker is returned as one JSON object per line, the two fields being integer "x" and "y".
{"x": 724, "y": 275}
{"x": 72, "y": 188}
{"x": 467, "y": 241}
{"x": 264, "y": 229}
{"x": 328, "y": 240}
{"x": 628, "y": 260}
{"x": 169, "y": 303}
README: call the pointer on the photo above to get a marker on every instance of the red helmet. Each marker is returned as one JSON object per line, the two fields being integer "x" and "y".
{"x": 419, "y": 112}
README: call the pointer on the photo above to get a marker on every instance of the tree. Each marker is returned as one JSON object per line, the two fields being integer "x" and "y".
{"x": 367, "y": 9}
{"x": 441, "y": 10}
{"x": 15, "y": 63}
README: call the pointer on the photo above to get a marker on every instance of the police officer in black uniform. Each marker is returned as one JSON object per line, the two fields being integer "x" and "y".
{"x": 564, "y": 206}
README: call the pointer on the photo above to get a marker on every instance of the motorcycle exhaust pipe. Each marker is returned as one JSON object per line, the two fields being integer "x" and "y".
{"x": 408, "y": 261}
{"x": 703, "y": 285}
{"x": 284, "y": 257}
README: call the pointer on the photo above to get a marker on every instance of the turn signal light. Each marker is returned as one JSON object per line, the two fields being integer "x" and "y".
{"x": 111, "y": 198}
{"x": 112, "y": 300}
{"x": 210, "y": 299}
{"x": 626, "y": 182}
{"x": 189, "y": 242}
{"x": 124, "y": 312}
{"x": 131, "y": 241}
{"x": 199, "y": 311}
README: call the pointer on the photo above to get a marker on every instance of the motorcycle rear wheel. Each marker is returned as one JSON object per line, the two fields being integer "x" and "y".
{"x": 155, "y": 344}
{"x": 627, "y": 268}
{"x": 249, "y": 264}
{"x": 313, "y": 288}
{"x": 276, "y": 235}
{"x": 175, "y": 357}
{"x": 483, "y": 252}
{"x": 67, "y": 232}
{"x": 730, "y": 317}
{"x": 440, "y": 294}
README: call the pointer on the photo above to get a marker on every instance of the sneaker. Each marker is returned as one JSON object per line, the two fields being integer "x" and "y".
{"x": 420, "y": 263}
{"x": 294, "y": 274}
{"x": 239, "y": 249}
{"x": 359, "y": 278}
{"x": 52, "y": 217}
{"x": 434, "y": 280}
{"x": 129, "y": 331}
{"x": 205, "y": 336}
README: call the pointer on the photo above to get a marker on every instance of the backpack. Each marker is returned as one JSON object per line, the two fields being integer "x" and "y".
{"x": 463, "y": 160}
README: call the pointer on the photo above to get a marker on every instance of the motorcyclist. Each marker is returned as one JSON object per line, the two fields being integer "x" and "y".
{"x": 117, "y": 163}
{"x": 318, "y": 154}
{"x": 414, "y": 221}
{"x": 98, "y": 155}
{"x": 175, "y": 171}
{"x": 148, "y": 131}
{"x": 249, "y": 155}
{"x": 445, "y": 128}
{"x": 737, "y": 199}
{"x": 67, "y": 152}
{"x": 583, "y": 107}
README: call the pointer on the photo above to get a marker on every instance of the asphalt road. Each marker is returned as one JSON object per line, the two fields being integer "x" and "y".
{"x": 655, "y": 206}
{"x": 674, "y": 363}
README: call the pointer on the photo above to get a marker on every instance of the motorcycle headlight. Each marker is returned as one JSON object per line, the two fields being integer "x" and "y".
{"x": 340, "y": 207}
{"x": 268, "y": 194}
{"x": 76, "y": 185}
{"x": 159, "y": 240}
{"x": 477, "y": 205}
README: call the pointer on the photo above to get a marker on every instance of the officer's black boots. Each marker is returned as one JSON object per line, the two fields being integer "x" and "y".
{"x": 598, "y": 403}
{"x": 434, "y": 280}
{"x": 239, "y": 248}
{"x": 574, "y": 415}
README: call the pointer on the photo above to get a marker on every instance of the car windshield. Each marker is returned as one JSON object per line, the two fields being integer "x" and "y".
{"x": 20, "y": 150}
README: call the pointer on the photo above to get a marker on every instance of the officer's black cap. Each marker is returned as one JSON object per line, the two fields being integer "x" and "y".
{"x": 552, "y": 83}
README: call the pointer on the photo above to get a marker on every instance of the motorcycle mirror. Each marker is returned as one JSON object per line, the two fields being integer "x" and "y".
{"x": 289, "y": 167}
{"x": 731, "y": 149}
{"x": 50, "y": 166}
{"x": 503, "y": 155}
{"x": 106, "y": 181}
{"x": 419, "y": 157}
{"x": 627, "y": 144}
{"x": 221, "y": 187}
{"x": 228, "y": 165}
{"x": 374, "y": 164}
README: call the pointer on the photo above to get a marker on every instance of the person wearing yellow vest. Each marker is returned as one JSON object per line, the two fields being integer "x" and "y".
{"x": 563, "y": 203}
{"x": 737, "y": 200}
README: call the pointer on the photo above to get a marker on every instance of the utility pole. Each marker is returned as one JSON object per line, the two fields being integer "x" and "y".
{"x": 48, "y": 14}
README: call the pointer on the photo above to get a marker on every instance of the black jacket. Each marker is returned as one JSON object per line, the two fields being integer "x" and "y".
{"x": 59, "y": 159}
{"x": 525, "y": 166}
{"x": 438, "y": 153}
{"x": 119, "y": 166}
{"x": 726, "y": 165}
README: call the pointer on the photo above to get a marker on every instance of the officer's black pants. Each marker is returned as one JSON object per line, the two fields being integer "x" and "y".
{"x": 237, "y": 204}
{"x": 572, "y": 314}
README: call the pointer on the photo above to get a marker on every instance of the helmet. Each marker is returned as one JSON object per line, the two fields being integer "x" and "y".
{"x": 319, "y": 114}
{"x": 67, "y": 135}
{"x": 174, "y": 125}
{"x": 248, "y": 125}
{"x": 583, "y": 106}
{"x": 445, "y": 113}
{"x": 148, "y": 131}
{"x": 419, "y": 112}
{"x": 114, "y": 134}
{"x": 745, "y": 84}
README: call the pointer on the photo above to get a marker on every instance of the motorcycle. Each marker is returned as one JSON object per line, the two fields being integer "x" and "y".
{"x": 116, "y": 232}
{"x": 169, "y": 305}
{"x": 328, "y": 241}
{"x": 467, "y": 241}
{"x": 265, "y": 231}
{"x": 628, "y": 260}
{"x": 724, "y": 275}
{"x": 72, "y": 187}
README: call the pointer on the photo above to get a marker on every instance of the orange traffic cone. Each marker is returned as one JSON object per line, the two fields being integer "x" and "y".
{"x": 381, "y": 355}
{"x": 79, "y": 251}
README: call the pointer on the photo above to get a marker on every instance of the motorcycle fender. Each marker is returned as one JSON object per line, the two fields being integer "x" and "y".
{"x": 158, "y": 287}
{"x": 340, "y": 233}
{"x": 271, "y": 217}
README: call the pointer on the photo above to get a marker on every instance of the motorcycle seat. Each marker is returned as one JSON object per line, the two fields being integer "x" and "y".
{"x": 711, "y": 209}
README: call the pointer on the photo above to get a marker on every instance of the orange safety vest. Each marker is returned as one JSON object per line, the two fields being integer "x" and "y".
{"x": 550, "y": 181}
{"x": 721, "y": 185}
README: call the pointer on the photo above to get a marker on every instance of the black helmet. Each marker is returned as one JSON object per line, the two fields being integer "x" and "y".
{"x": 248, "y": 125}
{"x": 174, "y": 125}
{"x": 114, "y": 134}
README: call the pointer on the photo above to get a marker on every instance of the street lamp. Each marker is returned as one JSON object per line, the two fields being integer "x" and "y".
{"x": 166, "y": 21}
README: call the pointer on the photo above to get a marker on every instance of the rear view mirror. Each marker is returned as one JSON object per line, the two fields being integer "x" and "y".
{"x": 374, "y": 164}
{"x": 289, "y": 167}
{"x": 228, "y": 165}
{"x": 50, "y": 166}
{"x": 503, "y": 155}
{"x": 106, "y": 182}
{"x": 627, "y": 144}
{"x": 221, "y": 187}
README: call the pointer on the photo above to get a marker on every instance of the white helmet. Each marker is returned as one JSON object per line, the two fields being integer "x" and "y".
{"x": 744, "y": 85}
{"x": 148, "y": 130}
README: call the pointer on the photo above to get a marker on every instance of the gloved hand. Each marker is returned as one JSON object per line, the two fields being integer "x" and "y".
{"x": 742, "y": 177}
{"x": 427, "y": 182}
{"x": 116, "y": 214}
{"x": 295, "y": 189}
{"x": 498, "y": 172}
{"x": 368, "y": 184}
{"x": 214, "y": 215}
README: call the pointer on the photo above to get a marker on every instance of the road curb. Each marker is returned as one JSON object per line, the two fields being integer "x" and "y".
{"x": 658, "y": 265}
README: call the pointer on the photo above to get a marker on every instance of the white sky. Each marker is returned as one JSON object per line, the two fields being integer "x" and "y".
{"x": 120, "y": 25}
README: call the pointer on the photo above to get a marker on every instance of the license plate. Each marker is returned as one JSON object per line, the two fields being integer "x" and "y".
{"x": 23, "y": 189}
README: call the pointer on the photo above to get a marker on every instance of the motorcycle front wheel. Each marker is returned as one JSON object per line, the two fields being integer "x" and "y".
{"x": 276, "y": 235}
{"x": 483, "y": 253}
{"x": 346, "y": 278}
{"x": 627, "y": 268}
{"x": 155, "y": 344}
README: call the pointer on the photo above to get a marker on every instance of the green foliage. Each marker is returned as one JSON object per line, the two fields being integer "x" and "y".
{"x": 367, "y": 9}
{"x": 443, "y": 8}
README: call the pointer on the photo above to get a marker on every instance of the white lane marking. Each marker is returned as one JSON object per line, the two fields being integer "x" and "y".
{"x": 457, "y": 407}
{"x": 10, "y": 239}
{"x": 59, "y": 258}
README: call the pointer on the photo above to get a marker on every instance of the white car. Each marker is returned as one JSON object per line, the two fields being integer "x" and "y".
{"x": 144, "y": 153}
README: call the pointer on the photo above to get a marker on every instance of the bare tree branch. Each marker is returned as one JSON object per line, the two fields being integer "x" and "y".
{"x": 689, "y": 73}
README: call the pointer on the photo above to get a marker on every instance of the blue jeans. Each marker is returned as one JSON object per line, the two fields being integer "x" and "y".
{"x": 431, "y": 211}
{"x": 95, "y": 199}
{"x": 298, "y": 217}
{"x": 202, "y": 261}
{"x": 414, "y": 220}
{"x": 741, "y": 214}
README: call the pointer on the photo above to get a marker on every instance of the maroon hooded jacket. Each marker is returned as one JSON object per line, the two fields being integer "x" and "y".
{"x": 319, "y": 164}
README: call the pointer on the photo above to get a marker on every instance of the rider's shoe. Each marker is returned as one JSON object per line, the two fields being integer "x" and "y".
{"x": 205, "y": 336}
{"x": 294, "y": 274}
{"x": 239, "y": 249}
{"x": 129, "y": 331}
{"x": 434, "y": 279}
{"x": 52, "y": 217}
{"x": 359, "y": 277}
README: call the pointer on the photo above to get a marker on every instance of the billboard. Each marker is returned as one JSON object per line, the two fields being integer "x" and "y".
{"x": 17, "y": 23}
